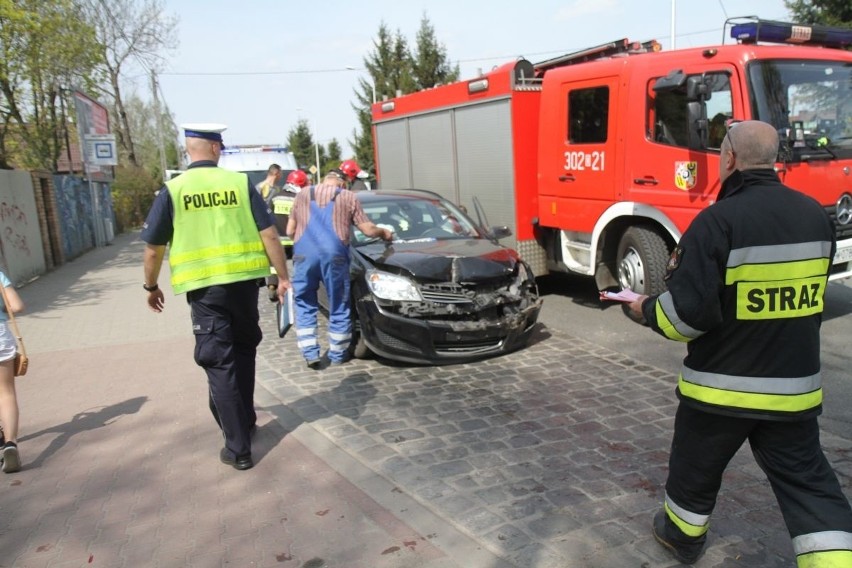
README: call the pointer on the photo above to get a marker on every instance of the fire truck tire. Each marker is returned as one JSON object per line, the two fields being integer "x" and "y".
{"x": 642, "y": 258}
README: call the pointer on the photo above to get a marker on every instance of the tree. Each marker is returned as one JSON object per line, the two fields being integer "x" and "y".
{"x": 430, "y": 66}
{"x": 825, "y": 12}
{"x": 334, "y": 154}
{"x": 390, "y": 67}
{"x": 36, "y": 70}
{"x": 393, "y": 70}
{"x": 136, "y": 30}
{"x": 301, "y": 143}
{"x": 143, "y": 120}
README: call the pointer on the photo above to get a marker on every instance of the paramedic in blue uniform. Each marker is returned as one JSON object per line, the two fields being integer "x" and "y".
{"x": 746, "y": 286}
{"x": 222, "y": 239}
{"x": 319, "y": 225}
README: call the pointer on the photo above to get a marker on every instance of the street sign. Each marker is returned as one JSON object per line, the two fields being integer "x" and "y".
{"x": 100, "y": 149}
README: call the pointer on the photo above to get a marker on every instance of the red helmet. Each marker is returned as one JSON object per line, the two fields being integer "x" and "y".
{"x": 350, "y": 169}
{"x": 297, "y": 178}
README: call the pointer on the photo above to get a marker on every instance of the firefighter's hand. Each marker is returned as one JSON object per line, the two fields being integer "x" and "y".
{"x": 636, "y": 306}
{"x": 283, "y": 286}
{"x": 156, "y": 300}
{"x": 387, "y": 234}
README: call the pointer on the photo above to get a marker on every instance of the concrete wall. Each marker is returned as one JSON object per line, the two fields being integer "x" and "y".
{"x": 21, "y": 243}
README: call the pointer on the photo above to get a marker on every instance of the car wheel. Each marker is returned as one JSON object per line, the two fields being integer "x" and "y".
{"x": 359, "y": 346}
{"x": 360, "y": 351}
{"x": 642, "y": 259}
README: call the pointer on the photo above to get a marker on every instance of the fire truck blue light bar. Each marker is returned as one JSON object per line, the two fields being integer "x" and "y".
{"x": 781, "y": 32}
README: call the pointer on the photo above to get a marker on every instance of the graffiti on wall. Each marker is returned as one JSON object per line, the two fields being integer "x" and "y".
{"x": 74, "y": 206}
{"x": 20, "y": 232}
{"x": 14, "y": 221}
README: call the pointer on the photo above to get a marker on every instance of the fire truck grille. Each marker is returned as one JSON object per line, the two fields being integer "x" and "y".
{"x": 843, "y": 231}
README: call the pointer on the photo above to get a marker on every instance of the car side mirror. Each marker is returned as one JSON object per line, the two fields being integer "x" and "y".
{"x": 500, "y": 232}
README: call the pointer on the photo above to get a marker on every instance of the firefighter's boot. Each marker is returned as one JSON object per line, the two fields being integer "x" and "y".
{"x": 686, "y": 550}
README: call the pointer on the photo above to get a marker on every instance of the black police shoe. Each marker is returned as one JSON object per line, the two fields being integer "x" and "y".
{"x": 685, "y": 553}
{"x": 240, "y": 462}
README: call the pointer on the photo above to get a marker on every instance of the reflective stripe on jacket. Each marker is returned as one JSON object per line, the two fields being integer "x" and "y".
{"x": 746, "y": 285}
{"x": 215, "y": 239}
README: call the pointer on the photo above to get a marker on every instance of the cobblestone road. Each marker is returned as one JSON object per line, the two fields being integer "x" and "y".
{"x": 554, "y": 456}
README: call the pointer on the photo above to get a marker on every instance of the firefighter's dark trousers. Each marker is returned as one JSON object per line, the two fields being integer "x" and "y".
{"x": 817, "y": 514}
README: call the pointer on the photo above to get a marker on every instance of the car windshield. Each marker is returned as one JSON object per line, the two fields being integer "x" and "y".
{"x": 416, "y": 218}
{"x": 810, "y": 102}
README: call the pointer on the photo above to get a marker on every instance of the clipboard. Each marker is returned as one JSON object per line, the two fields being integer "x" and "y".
{"x": 626, "y": 296}
{"x": 285, "y": 313}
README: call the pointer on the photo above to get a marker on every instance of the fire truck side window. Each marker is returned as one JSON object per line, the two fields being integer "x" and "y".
{"x": 588, "y": 114}
{"x": 671, "y": 118}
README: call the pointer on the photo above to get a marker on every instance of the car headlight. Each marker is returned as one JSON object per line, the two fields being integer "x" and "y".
{"x": 392, "y": 287}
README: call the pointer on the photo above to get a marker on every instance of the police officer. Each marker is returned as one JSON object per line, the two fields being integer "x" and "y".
{"x": 222, "y": 239}
{"x": 319, "y": 224}
{"x": 745, "y": 292}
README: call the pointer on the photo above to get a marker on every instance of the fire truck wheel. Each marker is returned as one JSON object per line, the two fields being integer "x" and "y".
{"x": 642, "y": 258}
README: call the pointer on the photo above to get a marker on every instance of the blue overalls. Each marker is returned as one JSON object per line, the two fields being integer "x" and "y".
{"x": 320, "y": 256}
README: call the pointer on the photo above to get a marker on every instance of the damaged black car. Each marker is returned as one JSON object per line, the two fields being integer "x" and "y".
{"x": 444, "y": 291}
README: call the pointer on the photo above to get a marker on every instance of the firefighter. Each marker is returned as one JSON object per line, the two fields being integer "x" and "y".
{"x": 218, "y": 270}
{"x": 745, "y": 286}
{"x": 270, "y": 184}
{"x": 280, "y": 203}
{"x": 319, "y": 225}
{"x": 350, "y": 169}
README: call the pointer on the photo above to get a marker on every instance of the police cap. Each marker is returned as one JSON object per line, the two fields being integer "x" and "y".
{"x": 206, "y": 130}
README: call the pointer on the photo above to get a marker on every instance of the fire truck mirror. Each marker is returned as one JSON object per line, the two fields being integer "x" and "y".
{"x": 674, "y": 80}
{"x": 697, "y": 89}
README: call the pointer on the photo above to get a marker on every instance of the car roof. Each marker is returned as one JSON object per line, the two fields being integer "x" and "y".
{"x": 383, "y": 194}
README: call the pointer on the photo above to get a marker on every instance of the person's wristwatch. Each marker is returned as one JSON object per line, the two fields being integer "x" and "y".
{"x": 153, "y": 288}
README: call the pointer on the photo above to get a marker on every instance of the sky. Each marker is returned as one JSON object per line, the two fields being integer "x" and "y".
{"x": 259, "y": 66}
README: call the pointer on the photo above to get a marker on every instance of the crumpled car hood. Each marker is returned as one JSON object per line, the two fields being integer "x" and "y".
{"x": 452, "y": 260}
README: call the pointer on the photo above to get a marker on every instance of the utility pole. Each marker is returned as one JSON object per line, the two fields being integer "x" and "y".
{"x": 159, "y": 118}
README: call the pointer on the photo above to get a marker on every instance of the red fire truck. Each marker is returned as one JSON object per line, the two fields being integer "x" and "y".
{"x": 598, "y": 160}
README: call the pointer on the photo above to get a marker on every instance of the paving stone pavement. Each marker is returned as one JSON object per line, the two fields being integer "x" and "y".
{"x": 554, "y": 456}
{"x": 120, "y": 454}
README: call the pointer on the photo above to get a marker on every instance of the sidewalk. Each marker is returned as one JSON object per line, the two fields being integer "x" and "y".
{"x": 551, "y": 457}
{"x": 120, "y": 453}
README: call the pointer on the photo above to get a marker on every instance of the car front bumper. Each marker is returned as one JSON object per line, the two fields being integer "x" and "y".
{"x": 441, "y": 342}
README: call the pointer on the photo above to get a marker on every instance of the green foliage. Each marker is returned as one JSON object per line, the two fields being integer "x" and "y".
{"x": 825, "y": 12}
{"x": 393, "y": 69}
{"x": 142, "y": 119}
{"x": 35, "y": 69}
{"x": 301, "y": 143}
{"x": 430, "y": 66}
{"x": 132, "y": 195}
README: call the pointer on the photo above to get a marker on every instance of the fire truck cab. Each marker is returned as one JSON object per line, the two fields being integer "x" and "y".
{"x": 599, "y": 160}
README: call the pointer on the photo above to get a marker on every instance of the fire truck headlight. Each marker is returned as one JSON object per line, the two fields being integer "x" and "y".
{"x": 392, "y": 287}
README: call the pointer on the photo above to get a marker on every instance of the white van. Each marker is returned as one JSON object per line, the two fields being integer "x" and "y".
{"x": 255, "y": 160}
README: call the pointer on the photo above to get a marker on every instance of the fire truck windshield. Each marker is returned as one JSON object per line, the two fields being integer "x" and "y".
{"x": 810, "y": 102}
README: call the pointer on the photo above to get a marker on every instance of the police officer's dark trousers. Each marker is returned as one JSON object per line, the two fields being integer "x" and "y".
{"x": 789, "y": 453}
{"x": 227, "y": 333}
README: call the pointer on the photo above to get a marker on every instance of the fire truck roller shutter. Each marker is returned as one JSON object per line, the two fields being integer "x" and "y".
{"x": 394, "y": 155}
{"x": 486, "y": 167}
{"x": 431, "y": 139}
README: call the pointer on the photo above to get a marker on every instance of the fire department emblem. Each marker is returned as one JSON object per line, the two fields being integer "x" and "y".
{"x": 686, "y": 175}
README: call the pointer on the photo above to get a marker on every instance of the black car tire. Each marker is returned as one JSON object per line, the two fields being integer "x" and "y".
{"x": 360, "y": 350}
